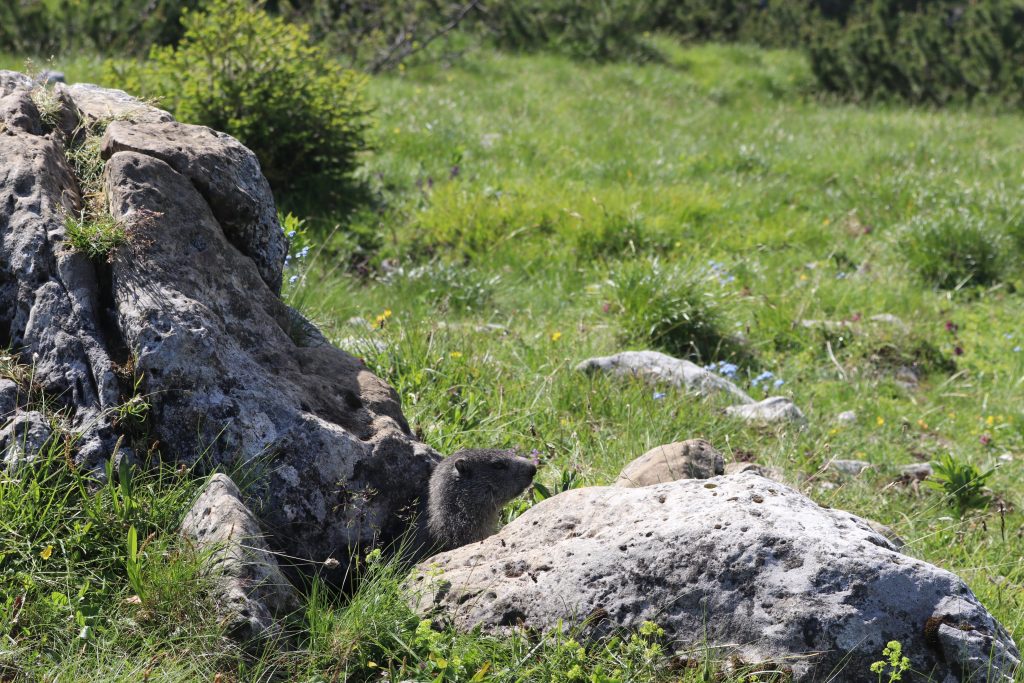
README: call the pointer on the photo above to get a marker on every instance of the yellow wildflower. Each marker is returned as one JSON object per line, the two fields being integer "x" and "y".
{"x": 46, "y": 552}
{"x": 880, "y": 420}
{"x": 555, "y": 336}
{"x": 456, "y": 354}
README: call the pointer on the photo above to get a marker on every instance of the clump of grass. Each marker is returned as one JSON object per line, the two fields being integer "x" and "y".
{"x": 670, "y": 308}
{"x": 95, "y": 236}
{"x": 954, "y": 249}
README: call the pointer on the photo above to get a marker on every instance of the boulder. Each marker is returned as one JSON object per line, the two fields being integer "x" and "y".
{"x": 235, "y": 378}
{"x": 692, "y": 459}
{"x": 251, "y": 592}
{"x": 773, "y": 410}
{"x": 655, "y": 367}
{"x": 740, "y": 564}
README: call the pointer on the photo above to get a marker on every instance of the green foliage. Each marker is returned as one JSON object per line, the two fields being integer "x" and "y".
{"x": 924, "y": 52}
{"x": 962, "y": 483}
{"x": 97, "y": 237}
{"x": 47, "y": 27}
{"x": 378, "y": 36}
{"x": 894, "y": 660}
{"x": 600, "y": 31}
{"x": 241, "y": 71}
{"x": 672, "y": 308}
{"x": 952, "y": 248}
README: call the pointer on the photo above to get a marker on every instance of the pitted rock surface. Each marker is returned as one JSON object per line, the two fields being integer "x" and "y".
{"x": 740, "y": 563}
{"x": 655, "y": 367}
{"x": 49, "y": 295}
{"x": 691, "y": 459}
{"x": 251, "y": 589}
{"x": 225, "y": 173}
{"x": 235, "y": 377}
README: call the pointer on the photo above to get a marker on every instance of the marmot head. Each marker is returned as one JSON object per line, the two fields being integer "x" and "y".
{"x": 498, "y": 475}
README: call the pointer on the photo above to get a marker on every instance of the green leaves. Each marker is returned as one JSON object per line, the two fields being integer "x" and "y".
{"x": 962, "y": 483}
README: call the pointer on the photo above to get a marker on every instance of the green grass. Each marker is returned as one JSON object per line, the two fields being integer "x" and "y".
{"x": 513, "y": 190}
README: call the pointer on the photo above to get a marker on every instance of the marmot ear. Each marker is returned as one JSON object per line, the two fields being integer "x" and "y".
{"x": 462, "y": 467}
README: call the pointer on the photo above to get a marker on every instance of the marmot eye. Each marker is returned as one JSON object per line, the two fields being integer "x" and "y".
{"x": 500, "y": 465}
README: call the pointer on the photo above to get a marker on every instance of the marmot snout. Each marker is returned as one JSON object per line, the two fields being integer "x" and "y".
{"x": 467, "y": 492}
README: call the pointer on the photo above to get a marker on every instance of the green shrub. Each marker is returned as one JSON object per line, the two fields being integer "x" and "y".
{"x": 675, "y": 309}
{"x": 47, "y": 27}
{"x": 601, "y": 31}
{"x": 933, "y": 52}
{"x": 241, "y": 71}
{"x": 954, "y": 248}
{"x": 377, "y": 36}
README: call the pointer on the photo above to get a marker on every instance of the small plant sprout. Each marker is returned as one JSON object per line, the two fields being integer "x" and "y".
{"x": 894, "y": 661}
{"x": 962, "y": 483}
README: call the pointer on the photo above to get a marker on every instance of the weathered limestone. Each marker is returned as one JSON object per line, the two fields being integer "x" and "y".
{"x": 742, "y": 564}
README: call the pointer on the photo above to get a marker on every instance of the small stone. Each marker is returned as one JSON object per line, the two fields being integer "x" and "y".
{"x": 851, "y": 467}
{"x": 692, "y": 459}
{"x": 918, "y": 471}
{"x": 847, "y": 417}
{"x": 771, "y": 410}
{"x": 1006, "y": 457}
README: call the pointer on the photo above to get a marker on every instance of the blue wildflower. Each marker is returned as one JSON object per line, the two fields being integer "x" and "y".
{"x": 658, "y": 395}
{"x": 779, "y": 383}
{"x": 291, "y": 234}
{"x": 293, "y": 279}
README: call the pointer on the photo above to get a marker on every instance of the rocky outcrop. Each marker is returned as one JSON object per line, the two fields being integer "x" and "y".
{"x": 741, "y": 564}
{"x": 251, "y": 592}
{"x": 190, "y": 305}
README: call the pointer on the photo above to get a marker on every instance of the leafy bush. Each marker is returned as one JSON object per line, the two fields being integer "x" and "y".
{"x": 600, "y": 31}
{"x": 46, "y": 27}
{"x": 954, "y": 248}
{"x": 670, "y": 308}
{"x": 377, "y": 36}
{"x": 241, "y": 71}
{"x": 924, "y": 52}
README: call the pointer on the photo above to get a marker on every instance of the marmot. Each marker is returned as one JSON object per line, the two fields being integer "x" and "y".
{"x": 468, "y": 490}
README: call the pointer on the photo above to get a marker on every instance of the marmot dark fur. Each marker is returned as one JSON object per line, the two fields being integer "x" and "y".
{"x": 468, "y": 490}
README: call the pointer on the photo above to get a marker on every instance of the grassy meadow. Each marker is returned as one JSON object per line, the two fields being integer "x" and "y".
{"x": 527, "y": 212}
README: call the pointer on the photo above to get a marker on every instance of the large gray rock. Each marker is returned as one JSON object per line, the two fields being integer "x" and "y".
{"x": 234, "y": 377}
{"x": 691, "y": 459}
{"x": 251, "y": 592}
{"x": 741, "y": 564}
{"x": 655, "y": 367}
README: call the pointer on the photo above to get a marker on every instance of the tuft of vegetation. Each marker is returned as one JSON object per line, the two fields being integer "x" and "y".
{"x": 962, "y": 484}
{"x": 96, "y": 237}
{"x": 671, "y": 308}
{"x": 239, "y": 70}
{"x": 954, "y": 248}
